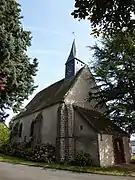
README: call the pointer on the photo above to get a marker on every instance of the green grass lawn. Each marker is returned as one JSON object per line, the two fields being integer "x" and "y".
{"x": 84, "y": 169}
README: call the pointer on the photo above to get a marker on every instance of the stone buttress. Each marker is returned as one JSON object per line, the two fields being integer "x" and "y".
{"x": 65, "y": 133}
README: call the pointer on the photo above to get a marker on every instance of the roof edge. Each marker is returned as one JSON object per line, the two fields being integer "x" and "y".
{"x": 38, "y": 110}
{"x": 75, "y": 59}
{"x": 123, "y": 133}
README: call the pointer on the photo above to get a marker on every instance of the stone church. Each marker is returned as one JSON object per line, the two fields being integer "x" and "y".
{"x": 62, "y": 115}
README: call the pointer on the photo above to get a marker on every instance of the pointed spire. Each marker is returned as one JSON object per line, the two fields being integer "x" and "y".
{"x": 72, "y": 54}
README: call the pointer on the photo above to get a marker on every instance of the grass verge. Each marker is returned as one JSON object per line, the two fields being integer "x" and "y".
{"x": 82, "y": 169}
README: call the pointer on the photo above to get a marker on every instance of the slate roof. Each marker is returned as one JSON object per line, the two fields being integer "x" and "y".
{"x": 49, "y": 96}
{"x": 72, "y": 54}
{"x": 99, "y": 122}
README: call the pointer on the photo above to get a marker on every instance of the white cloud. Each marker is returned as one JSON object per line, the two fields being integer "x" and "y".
{"x": 43, "y": 30}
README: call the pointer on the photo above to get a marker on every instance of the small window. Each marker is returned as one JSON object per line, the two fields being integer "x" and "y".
{"x": 101, "y": 137}
{"x": 77, "y": 62}
{"x": 81, "y": 127}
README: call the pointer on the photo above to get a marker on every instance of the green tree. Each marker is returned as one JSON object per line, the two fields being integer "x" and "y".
{"x": 106, "y": 16}
{"x": 4, "y": 133}
{"x": 114, "y": 70}
{"x": 17, "y": 70}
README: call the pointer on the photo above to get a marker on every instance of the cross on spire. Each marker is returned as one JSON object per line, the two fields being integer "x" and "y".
{"x": 73, "y": 34}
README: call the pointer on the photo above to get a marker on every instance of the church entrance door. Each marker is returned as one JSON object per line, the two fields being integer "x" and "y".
{"x": 118, "y": 150}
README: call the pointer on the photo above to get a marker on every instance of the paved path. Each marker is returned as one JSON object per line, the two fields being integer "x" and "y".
{"x": 21, "y": 172}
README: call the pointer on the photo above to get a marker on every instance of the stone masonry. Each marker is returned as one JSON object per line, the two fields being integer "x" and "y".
{"x": 65, "y": 133}
{"x": 62, "y": 133}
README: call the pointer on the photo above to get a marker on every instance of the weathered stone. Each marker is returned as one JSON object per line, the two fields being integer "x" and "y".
{"x": 62, "y": 134}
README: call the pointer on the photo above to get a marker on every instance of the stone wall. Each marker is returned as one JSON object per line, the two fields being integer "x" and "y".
{"x": 48, "y": 130}
{"x": 79, "y": 93}
{"x": 26, "y": 126}
{"x": 86, "y": 138}
{"x": 106, "y": 150}
{"x": 71, "y": 138}
{"x": 62, "y": 133}
{"x": 65, "y": 139}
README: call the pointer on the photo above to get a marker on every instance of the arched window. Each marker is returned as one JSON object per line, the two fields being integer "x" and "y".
{"x": 20, "y": 130}
{"x": 15, "y": 129}
{"x": 32, "y": 129}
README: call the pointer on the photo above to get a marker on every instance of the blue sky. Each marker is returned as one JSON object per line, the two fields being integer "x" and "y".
{"x": 51, "y": 24}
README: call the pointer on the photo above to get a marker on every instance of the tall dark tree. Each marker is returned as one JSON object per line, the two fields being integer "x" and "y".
{"x": 114, "y": 70}
{"x": 17, "y": 70}
{"x": 106, "y": 16}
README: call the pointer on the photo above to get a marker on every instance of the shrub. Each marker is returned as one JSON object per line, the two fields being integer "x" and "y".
{"x": 42, "y": 153}
{"x": 19, "y": 149}
{"x": 82, "y": 159}
{"x": 3, "y": 148}
{"x": 10, "y": 149}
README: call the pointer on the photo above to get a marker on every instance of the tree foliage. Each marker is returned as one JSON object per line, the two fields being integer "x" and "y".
{"x": 114, "y": 69}
{"x": 16, "y": 68}
{"x": 4, "y": 133}
{"x": 106, "y": 16}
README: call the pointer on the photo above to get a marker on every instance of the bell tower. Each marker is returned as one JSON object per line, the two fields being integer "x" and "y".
{"x": 73, "y": 65}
